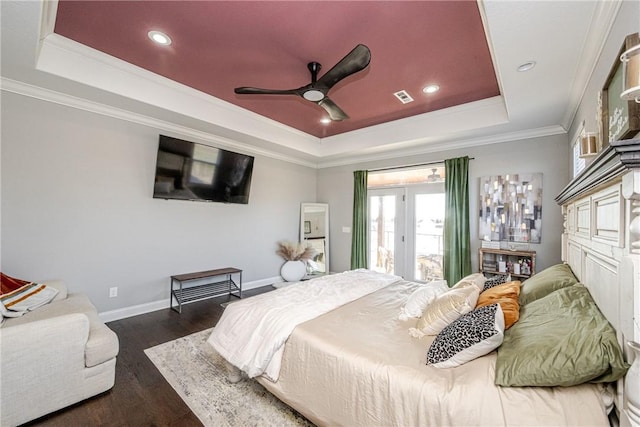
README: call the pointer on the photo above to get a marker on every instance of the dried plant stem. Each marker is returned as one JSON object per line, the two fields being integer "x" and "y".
{"x": 294, "y": 251}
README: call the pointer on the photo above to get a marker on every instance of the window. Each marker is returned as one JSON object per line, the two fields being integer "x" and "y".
{"x": 578, "y": 163}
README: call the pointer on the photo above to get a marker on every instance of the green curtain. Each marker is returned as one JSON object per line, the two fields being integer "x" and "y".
{"x": 359, "y": 225}
{"x": 457, "y": 240}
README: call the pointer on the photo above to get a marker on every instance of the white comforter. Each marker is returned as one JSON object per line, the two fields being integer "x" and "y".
{"x": 252, "y": 332}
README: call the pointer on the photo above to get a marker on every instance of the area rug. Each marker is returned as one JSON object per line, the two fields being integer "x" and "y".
{"x": 283, "y": 284}
{"x": 198, "y": 374}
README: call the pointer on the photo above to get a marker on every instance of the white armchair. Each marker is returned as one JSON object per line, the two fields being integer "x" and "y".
{"x": 53, "y": 357}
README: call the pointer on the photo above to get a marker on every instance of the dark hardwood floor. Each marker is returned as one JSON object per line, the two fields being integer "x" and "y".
{"x": 141, "y": 396}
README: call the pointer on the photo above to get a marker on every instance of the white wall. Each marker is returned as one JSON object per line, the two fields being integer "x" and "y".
{"x": 627, "y": 22}
{"x": 77, "y": 205}
{"x": 548, "y": 155}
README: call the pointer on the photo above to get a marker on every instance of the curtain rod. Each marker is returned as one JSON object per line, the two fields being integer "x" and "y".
{"x": 438, "y": 162}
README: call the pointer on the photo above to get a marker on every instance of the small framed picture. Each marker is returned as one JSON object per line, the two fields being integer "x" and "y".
{"x": 307, "y": 227}
{"x": 619, "y": 119}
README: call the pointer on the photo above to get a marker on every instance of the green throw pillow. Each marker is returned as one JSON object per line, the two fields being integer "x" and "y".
{"x": 542, "y": 284}
{"x": 560, "y": 340}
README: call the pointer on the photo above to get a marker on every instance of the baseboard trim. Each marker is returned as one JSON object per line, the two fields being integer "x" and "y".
{"x": 135, "y": 310}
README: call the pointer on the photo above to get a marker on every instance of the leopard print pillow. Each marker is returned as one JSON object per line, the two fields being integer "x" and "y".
{"x": 495, "y": 281}
{"x": 471, "y": 336}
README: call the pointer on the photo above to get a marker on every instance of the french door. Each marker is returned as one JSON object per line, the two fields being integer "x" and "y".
{"x": 426, "y": 216}
{"x": 405, "y": 231}
{"x": 386, "y": 220}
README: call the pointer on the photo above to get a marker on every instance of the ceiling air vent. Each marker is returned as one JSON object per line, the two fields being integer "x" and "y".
{"x": 403, "y": 96}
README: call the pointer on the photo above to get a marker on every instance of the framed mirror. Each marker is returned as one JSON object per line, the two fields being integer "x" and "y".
{"x": 314, "y": 230}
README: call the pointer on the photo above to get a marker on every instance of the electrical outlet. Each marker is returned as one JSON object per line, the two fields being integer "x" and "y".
{"x": 113, "y": 292}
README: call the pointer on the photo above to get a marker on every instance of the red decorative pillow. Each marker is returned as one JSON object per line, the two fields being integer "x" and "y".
{"x": 9, "y": 284}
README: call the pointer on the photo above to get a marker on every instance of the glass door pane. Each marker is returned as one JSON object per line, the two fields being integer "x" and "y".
{"x": 386, "y": 222}
{"x": 428, "y": 243}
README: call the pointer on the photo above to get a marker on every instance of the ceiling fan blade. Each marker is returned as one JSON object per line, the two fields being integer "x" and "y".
{"x": 356, "y": 60}
{"x": 258, "y": 91}
{"x": 335, "y": 113}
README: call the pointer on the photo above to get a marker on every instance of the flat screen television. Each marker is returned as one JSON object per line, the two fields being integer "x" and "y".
{"x": 190, "y": 171}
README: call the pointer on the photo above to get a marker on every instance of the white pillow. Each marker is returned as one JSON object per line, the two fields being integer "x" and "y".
{"x": 445, "y": 309}
{"x": 475, "y": 279}
{"x": 421, "y": 298}
{"x": 469, "y": 337}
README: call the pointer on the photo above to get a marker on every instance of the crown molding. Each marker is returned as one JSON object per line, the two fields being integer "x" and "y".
{"x": 48, "y": 12}
{"x": 492, "y": 52}
{"x": 24, "y": 89}
{"x": 48, "y": 95}
{"x": 68, "y": 59}
{"x": 437, "y": 125}
{"x": 71, "y": 60}
{"x": 600, "y": 26}
{"x": 446, "y": 146}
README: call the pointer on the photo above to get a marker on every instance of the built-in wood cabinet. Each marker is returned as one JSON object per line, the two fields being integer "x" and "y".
{"x": 519, "y": 264}
{"x": 601, "y": 244}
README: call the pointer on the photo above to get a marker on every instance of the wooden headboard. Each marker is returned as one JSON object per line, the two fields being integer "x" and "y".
{"x": 601, "y": 243}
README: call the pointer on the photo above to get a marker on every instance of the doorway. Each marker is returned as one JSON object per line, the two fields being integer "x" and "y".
{"x": 425, "y": 238}
{"x": 405, "y": 226}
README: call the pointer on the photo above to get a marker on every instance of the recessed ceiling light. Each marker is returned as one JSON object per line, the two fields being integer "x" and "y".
{"x": 159, "y": 37}
{"x": 325, "y": 120}
{"x": 431, "y": 89}
{"x": 526, "y": 66}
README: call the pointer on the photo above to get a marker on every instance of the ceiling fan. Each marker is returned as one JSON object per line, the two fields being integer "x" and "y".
{"x": 317, "y": 91}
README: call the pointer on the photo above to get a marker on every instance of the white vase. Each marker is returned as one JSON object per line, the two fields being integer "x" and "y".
{"x": 632, "y": 385}
{"x": 293, "y": 271}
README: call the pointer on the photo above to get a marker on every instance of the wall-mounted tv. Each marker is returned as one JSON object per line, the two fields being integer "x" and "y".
{"x": 190, "y": 171}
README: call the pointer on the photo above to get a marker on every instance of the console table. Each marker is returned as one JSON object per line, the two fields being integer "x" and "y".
{"x": 222, "y": 284}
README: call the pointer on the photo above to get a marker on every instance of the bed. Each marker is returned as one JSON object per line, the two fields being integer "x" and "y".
{"x": 353, "y": 362}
